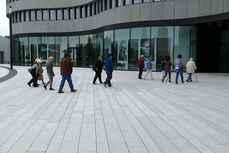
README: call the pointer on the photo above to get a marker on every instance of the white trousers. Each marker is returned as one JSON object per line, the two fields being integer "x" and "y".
{"x": 149, "y": 72}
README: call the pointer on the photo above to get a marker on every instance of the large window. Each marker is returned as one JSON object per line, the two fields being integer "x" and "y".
{"x": 34, "y": 46}
{"x": 73, "y": 49}
{"x": 77, "y": 13}
{"x": 51, "y": 15}
{"x": 32, "y": 15}
{"x": 122, "y": 37}
{"x": 59, "y": 14}
{"x": 108, "y": 42}
{"x": 127, "y": 2}
{"x": 140, "y": 44}
{"x": 66, "y": 14}
{"x": 163, "y": 43}
{"x": 44, "y": 15}
{"x": 71, "y": 14}
{"x": 38, "y": 15}
{"x": 25, "y": 54}
{"x": 126, "y": 46}
{"x": 48, "y": 48}
{"x": 61, "y": 46}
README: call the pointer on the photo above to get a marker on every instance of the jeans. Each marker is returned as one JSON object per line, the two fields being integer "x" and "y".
{"x": 140, "y": 73}
{"x": 69, "y": 79}
{"x": 97, "y": 75}
{"x": 109, "y": 77}
{"x": 189, "y": 77}
{"x": 166, "y": 73}
{"x": 179, "y": 72}
{"x": 50, "y": 76}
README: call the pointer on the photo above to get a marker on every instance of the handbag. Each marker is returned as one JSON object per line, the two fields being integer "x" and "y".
{"x": 181, "y": 67}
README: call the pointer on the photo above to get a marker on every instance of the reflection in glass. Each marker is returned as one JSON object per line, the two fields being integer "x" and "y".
{"x": 51, "y": 15}
{"x": 108, "y": 42}
{"x": 59, "y": 15}
{"x": 61, "y": 46}
{"x": 34, "y": 43}
{"x": 65, "y": 14}
{"x": 24, "y": 56}
{"x": 121, "y": 46}
{"x": 38, "y": 15}
{"x": 45, "y": 15}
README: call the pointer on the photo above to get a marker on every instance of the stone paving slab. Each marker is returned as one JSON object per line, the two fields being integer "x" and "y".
{"x": 134, "y": 116}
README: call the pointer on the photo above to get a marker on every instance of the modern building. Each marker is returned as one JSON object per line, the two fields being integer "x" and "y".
{"x": 4, "y": 50}
{"x": 125, "y": 28}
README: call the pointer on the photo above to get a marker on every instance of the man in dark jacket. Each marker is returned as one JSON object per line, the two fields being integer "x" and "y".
{"x": 98, "y": 69}
{"x": 109, "y": 70}
{"x": 50, "y": 73}
{"x": 34, "y": 72}
{"x": 141, "y": 66}
{"x": 66, "y": 70}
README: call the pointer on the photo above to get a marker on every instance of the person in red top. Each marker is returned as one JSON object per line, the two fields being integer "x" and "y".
{"x": 141, "y": 66}
{"x": 168, "y": 65}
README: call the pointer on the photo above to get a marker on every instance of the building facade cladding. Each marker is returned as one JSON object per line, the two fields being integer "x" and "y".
{"x": 125, "y": 28}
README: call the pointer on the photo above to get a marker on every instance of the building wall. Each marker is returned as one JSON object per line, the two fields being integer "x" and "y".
{"x": 5, "y": 48}
{"x": 152, "y": 11}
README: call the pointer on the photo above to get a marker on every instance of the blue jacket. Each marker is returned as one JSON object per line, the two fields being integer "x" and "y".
{"x": 109, "y": 65}
{"x": 149, "y": 65}
{"x": 178, "y": 63}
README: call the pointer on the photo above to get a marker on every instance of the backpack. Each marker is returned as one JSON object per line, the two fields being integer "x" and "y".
{"x": 181, "y": 67}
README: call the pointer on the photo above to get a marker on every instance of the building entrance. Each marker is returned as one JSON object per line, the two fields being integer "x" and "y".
{"x": 213, "y": 48}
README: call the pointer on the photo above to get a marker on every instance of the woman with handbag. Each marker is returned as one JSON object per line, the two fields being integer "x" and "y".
{"x": 40, "y": 72}
{"x": 179, "y": 66}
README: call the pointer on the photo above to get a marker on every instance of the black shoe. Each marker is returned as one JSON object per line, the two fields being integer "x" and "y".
{"x": 29, "y": 84}
{"x": 110, "y": 86}
{"x": 94, "y": 83}
{"x": 51, "y": 89}
{"x": 45, "y": 87}
{"x": 36, "y": 86}
{"x": 105, "y": 85}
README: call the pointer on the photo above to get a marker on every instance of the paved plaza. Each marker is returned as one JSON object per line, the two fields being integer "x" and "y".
{"x": 134, "y": 116}
{"x": 3, "y": 72}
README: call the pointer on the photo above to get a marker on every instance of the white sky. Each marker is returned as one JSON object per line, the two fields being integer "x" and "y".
{"x": 4, "y": 22}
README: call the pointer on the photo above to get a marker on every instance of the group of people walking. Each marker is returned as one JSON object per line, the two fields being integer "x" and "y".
{"x": 67, "y": 64}
{"x": 166, "y": 68}
{"x": 65, "y": 70}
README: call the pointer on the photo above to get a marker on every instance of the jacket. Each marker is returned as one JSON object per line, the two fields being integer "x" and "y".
{"x": 34, "y": 69}
{"x": 177, "y": 64}
{"x": 98, "y": 66}
{"x": 141, "y": 63}
{"x": 109, "y": 65}
{"x": 190, "y": 67}
{"x": 149, "y": 65}
{"x": 168, "y": 65}
{"x": 66, "y": 66}
{"x": 49, "y": 68}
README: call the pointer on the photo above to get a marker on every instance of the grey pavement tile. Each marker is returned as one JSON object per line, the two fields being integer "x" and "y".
{"x": 134, "y": 116}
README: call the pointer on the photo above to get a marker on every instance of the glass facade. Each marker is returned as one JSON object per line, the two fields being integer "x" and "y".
{"x": 125, "y": 45}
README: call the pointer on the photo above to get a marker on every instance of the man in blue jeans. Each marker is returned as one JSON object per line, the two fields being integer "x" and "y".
{"x": 66, "y": 70}
{"x": 109, "y": 70}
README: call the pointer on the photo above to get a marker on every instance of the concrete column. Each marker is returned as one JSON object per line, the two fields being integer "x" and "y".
{"x": 108, "y": 4}
{"x": 113, "y": 5}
